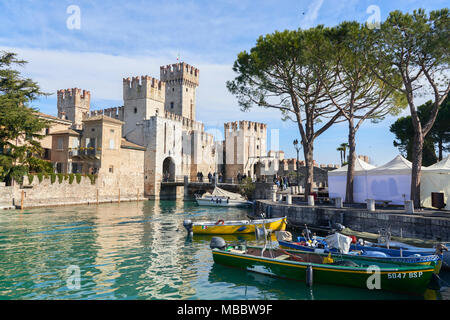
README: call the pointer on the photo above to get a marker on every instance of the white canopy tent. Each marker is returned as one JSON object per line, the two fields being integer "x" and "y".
{"x": 337, "y": 181}
{"x": 391, "y": 181}
{"x": 436, "y": 178}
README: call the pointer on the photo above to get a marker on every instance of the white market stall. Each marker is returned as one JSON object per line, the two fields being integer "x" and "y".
{"x": 436, "y": 178}
{"x": 337, "y": 181}
{"x": 391, "y": 182}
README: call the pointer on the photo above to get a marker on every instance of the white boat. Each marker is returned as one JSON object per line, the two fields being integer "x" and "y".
{"x": 222, "y": 198}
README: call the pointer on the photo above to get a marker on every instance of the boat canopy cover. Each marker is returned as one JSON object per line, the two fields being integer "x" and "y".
{"x": 223, "y": 193}
{"x": 339, "y": 241}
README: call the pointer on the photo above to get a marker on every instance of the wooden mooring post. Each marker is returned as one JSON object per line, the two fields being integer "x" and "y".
{"x": 21, "y": 199}
{"x": 97, "y": 196}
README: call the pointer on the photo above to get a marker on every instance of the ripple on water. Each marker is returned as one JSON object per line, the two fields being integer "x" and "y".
{"x": 131, "y": 251}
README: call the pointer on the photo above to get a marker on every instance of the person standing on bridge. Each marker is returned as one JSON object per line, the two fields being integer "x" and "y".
{"x": 209, "y": 176}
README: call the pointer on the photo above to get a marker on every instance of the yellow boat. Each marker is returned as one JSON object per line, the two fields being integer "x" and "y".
{"x": 234, "y": 227}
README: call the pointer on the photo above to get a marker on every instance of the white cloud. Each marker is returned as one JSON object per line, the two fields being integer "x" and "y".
{"x": 102, "y": 75}
{"x": 311, "y": 15}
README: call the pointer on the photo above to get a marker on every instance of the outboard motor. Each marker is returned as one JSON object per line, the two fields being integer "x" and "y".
{"x": 337, "y": 227}
{"x": 188, "y": 226}
{"x": 217, "y": 243}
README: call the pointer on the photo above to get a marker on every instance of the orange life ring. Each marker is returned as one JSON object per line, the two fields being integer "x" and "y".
{"x": 220, "y": 222}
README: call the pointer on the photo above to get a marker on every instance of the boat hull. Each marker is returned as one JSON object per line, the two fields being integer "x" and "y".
{"x": 239, "y": 228}
{"x": 230, "y": 203}
{"x": 412, "y": 280}
{"x": 426, "y": 260}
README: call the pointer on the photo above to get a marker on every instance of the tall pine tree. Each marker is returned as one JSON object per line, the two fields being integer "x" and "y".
{"x": 20, "y": 128}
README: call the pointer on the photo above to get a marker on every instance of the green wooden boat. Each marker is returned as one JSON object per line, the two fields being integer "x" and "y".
{"x": 321, "y": 268}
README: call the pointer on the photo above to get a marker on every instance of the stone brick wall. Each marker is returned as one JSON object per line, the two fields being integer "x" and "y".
{"x": 411, "y": 226}
{"x": 107, "y": 188}
{"x": 6, "y": 196}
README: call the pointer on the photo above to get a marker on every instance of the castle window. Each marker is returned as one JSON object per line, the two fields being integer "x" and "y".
{"x": 111, "y": 144}
{"x": 186, "y": 89}
{"x": 171, "y": 105}
{"x": 111, "y": 169}
{"x": 135, "y": 110}
{"x": 173, "y": 89}
{"x": 93, "y": 129}
{"x": 47, "y": 131}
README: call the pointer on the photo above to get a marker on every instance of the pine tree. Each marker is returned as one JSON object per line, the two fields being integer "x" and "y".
{"x": 20, "y": 127}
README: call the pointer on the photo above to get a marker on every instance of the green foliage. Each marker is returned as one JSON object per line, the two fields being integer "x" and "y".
{"x": 92, "y": 177}
{"x": 18, "y": 172}
{"x": 247, "y": 187}
{"x": 40, "y": 176}
{"x": 78, "y": 177}
{"x": 71, "y": 178}
{"x": 52, "y": 178}
{"x": 30, "y": 178}
{"x": 60, "y": 177}
{"x": 66, "y": 177}
{"x": 439, "y": 134}
{"x": 18, "y": 120}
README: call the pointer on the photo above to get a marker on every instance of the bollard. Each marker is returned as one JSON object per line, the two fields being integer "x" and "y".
{"x": 280, "y": 197}
{"x": 311, "y": 201}
{"x": 274, "y": 196}
{"x": 97, "y": 196}
{"x": 409, "y": 206}
{"x": 289, "y": 199}
{"x": 370, "y": 205}
{"x": 309, "y": 276}
{"x": 338, "y": 202}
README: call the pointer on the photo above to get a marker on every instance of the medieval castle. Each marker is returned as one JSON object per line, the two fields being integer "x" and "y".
{"x": 158, "y": 122}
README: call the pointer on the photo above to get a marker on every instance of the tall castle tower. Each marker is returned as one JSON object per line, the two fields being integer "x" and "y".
{"x": 245, "y": 144}
{"x": 73, "y": 104}
{"x": 143, "y": 98}
{"x": 181, "y": 83}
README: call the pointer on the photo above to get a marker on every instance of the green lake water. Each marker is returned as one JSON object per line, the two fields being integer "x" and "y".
{"x": 135, "y": 250}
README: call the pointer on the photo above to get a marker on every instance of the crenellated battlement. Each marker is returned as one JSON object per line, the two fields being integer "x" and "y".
{"x": 115, "y": 113}
{"x": 73, "y": 104}
{"x": 144, "y": 87}
{"x": 74, "y": 94}
{"x": 187, "y": 123}
{"x": 180, "y": 72}
{"x": 245, "y": 126}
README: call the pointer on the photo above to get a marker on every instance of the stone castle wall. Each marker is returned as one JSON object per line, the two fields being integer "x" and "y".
{"x": 108, "y": 188}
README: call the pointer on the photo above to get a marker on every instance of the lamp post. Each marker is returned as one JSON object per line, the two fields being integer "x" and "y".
{"x": 297, "y": 148}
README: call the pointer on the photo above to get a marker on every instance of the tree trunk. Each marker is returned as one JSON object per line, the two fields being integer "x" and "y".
{"x": 351, "y": 162}
{"x": 417, "y": 150}
{"x": 308, "y": 151}
{"x": 440, "y": 147}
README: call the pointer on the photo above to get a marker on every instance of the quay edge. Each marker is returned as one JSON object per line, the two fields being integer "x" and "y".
{"x": 417, "y": 225}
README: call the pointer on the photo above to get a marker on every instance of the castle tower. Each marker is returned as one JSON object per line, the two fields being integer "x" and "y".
{"x": 143, "y": 98}
{"x": 245, "y": 144}
{"x": 181, "y": 83}
{"x": 73, "y": 104}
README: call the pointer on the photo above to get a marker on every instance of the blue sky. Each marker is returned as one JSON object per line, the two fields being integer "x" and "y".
{"x": 119, "y": 39}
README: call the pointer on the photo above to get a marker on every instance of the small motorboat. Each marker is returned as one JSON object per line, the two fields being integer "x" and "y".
{"x": 234, "y": 226}
{"x": 341, "y": 244}
{"x": 222, "y": 198}
{"x": 352, "y": 271}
